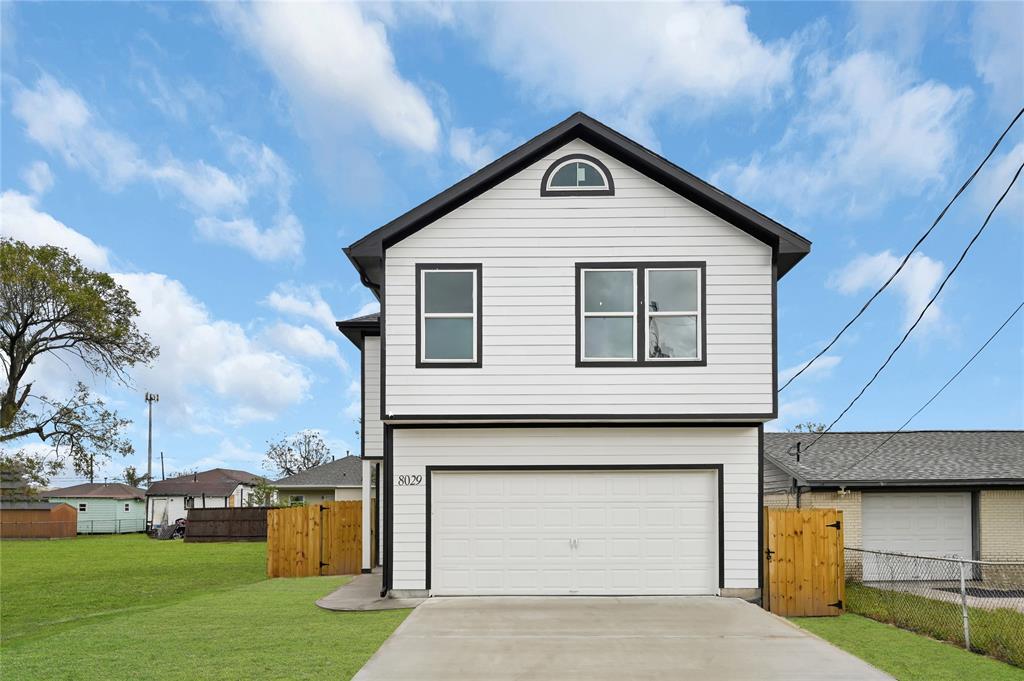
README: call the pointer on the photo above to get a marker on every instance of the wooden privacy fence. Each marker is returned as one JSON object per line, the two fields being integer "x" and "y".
{"x": 803, "y": 562}
{"x": 320, "y": 539}
{"x": 38, "y": 520}
{"x": 227, "y": 524}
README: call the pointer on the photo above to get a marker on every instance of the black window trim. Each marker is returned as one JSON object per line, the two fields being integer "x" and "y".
{"x": 607, "y": 190}
{"x": 478, "y": 269}
{"x": 641, "y": 316}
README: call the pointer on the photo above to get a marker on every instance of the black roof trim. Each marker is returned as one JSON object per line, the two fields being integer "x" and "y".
{"x": 355, "y": 328}
{"x": 367, "y": 254}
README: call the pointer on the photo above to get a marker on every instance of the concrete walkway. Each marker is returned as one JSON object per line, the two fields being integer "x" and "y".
{"x": 363, "y": 593}
{"x": 597, "y": 639}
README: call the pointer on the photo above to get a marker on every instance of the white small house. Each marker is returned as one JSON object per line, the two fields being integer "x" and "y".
{"x": 566, "y": 388}
{"x": 170, "y": 499}
{"x": 104, "y": 508}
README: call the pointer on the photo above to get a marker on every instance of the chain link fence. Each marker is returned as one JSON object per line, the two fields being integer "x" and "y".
{"x": 977, "y": 604}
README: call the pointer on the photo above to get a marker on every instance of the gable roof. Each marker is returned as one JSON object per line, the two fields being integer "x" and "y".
{"x": 367, "y": 253}
{"x": 97, "y": 490}
{"x": 935, "y": 457}
{"x": 216, "y": 482}
{"x": 344, "y": 472}
{"x": 355, "y": 328}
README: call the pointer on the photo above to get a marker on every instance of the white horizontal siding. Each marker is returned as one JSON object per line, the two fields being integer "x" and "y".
{"x": 528, "y": 246}
{"x": 734, "y": 448}
{"x": 372, "y": 429}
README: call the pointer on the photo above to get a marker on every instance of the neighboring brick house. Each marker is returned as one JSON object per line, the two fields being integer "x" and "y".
{"x": 924, "y": 492}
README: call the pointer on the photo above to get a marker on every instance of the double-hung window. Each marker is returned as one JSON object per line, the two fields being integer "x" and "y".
{"x": 640, "y": 314}
{"x": 608, "y": 327}
{"x": 448, "y": 315}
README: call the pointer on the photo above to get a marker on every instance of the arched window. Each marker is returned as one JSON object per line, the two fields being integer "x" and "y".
{"x": 577, "y": 175}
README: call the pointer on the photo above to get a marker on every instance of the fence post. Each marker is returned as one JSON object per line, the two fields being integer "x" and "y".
{"x": 963, "y": 605}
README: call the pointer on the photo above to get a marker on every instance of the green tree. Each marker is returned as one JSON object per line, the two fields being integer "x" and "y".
{"x": 262, "y": 494}
{"x": 134, "y": 478}
{"x": 52, "y": 305}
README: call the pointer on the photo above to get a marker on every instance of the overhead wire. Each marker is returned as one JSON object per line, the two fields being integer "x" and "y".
{"x": 906, "y": 258}
{"x": 937, "y": 393}
{"x": 924, "y": 310}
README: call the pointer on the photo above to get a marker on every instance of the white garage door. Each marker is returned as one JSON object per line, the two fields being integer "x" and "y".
{"x": 574, "y": 532}
{"x": 919, "y": 523}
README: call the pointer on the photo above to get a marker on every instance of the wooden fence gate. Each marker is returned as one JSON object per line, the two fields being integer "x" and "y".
{"x": 320, "y": 539}
{"x": 803, "y": 562}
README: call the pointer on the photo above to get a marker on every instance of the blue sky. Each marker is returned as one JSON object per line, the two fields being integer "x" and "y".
{"x": 218, "y": 157}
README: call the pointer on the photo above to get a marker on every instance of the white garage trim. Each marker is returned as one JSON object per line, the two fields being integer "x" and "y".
{"x": 719, "y": 496}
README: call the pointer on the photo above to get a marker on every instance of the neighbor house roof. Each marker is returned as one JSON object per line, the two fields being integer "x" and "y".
{"x": 355, "y": 328}
{"x": 344, "y": 472}
{"x": 367, "y": 254}
{"x": 102, "y": 490}
{"x": 216, "y": 482}
{"x": 926, "y": 457}
{"x": 29, "y": 505}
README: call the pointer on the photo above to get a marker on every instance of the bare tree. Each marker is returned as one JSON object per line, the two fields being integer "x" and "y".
{"x": 134, "y": 478}
{"x": 301, "y": 451}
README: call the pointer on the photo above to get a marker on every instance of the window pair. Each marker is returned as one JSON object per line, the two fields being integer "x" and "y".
{"x": 640, "y": 313}
{"x": 626, "y": 313}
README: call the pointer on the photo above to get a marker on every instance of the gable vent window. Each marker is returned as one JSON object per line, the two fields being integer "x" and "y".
{"x": 577, "y": 175}
{"x": 448, "y": 315}
{"x": 640, "y": 314}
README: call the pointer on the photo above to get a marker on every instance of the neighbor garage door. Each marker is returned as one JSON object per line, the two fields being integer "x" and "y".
{"x": 574, "y": 532}
{"x": 918, "y": 523}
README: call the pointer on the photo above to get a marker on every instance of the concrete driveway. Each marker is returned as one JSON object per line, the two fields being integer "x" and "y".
{"x": 526, "y": 638}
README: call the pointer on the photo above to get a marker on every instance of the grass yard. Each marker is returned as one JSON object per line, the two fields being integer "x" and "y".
{"x": 904, "y": 654}
{"x": 997, "y": 633}
{"x": 131, "y": 607}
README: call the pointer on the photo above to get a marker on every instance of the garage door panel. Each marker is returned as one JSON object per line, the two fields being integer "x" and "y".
{"x": 919, "y": 523}
{"x": 635, "y": 532}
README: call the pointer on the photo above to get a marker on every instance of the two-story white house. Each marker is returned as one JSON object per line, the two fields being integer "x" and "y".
{"x": 567, "y": 384}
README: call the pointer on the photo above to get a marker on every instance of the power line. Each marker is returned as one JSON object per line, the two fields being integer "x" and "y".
{"x": 937, "y": 393}
{"x": 906, "y": 258}
{"x": 925, "y": 309}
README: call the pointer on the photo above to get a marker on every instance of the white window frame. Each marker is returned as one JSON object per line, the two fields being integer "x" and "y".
{"x": 82, "y": 507}
{"x": 424, "y": 316}
{"x": 577, "y": 188}
{"x": 127, "y": 508}
{"x": 296, "y": 499}
{"x": 696, "y": 314}
{"x": 584, "y": 314}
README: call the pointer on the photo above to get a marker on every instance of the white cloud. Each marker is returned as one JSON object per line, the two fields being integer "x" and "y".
{"x": 475, "y": 150}
{"x": 821, "y": 368}
{"x": 302, "y": 301}
{"x": 915, "y": 284}
{"x": 791, "y": 411}
{"x": 629, "y": 61}
{"x": 337, "y": 66}
{"x": 21, "y": 220}
{"x": 282, "y": 241}
{"x": 354, "y": 408}
{"x": 993, "y": 181}
{"x": 303, "y": 340}
{"x": 38, "y": 177}
{"x": 997, "y": 50}
{"x": 869, "y": 130}
{"x": 199, "y": 353}
{"x": 371, "y": 307}
{"x": 59, "y": 120}
{"x": 200, "y": 357}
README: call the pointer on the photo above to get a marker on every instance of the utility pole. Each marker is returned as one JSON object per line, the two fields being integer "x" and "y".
{"x": 150, "y": 399}
{"x": 161, "y": 464}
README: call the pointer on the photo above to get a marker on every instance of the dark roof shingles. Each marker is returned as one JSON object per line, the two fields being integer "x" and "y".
{"x": 912, "y": 456}
{"x": 216, "y": 482}
{"x": 340, "y": 472}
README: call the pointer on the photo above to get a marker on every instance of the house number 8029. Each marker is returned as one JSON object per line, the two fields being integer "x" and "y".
{"x": 409, "y": 480}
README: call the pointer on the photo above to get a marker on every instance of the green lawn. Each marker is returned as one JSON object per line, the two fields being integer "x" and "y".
{"x": 131, "y": 607}
{"x": 904, "y": 654}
